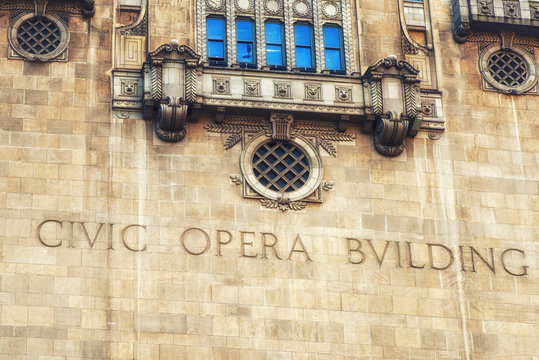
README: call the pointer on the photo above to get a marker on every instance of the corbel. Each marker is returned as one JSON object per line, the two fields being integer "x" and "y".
{"x": 220, "y": 114}
{"x": 170, "y": 89}
{"x": 395, "y": 113}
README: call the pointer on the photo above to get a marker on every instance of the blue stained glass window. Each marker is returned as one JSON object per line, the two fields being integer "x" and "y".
{"x": 303, "y": 36}
{"x": 333, "y": 48}
{"x": 245, "y": 41}
{"x": 274, "y": 44}
{"x": 216, "y": 40}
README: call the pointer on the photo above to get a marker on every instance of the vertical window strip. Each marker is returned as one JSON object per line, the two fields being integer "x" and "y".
{"x": 275, "y": 49}
{"x": 216, "y": 40}
{"x": 304, "y": 46}
{"x": 333, "y": 48}
{"x": 245, "y": 41}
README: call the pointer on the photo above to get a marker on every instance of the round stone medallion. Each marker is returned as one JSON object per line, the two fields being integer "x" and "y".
{"x": 244, "y": 5}
{"x": 273, "y": 7}
{"x": 301, "y": 8}
{"x": 330, "y": 9}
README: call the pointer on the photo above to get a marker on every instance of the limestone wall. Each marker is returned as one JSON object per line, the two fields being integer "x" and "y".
{"x": 117, "y": 245}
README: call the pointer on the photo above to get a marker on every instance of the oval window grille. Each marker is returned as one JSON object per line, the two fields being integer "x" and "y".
{"x": 508, "y": 68}
{"x": 39, "y": 36}
{"x": 281, "y": 166}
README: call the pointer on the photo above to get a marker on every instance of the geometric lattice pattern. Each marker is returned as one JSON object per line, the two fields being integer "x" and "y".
{"x": 508, "y": 68}
{"x": 39, "y": 36}
{"x": 281, "y": 166}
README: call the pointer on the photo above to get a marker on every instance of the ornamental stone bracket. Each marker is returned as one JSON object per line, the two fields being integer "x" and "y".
{"x": 170, "y": 83}
{"x": 395, "y": 104}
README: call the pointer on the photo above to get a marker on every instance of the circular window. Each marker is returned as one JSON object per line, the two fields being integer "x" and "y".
{"x": 281, "y": 166}
{"x": 509, "y": 70}
{"x": 42, "y": 37}
{"x": 39, "y": 36}
{"x": 274, "y": 167}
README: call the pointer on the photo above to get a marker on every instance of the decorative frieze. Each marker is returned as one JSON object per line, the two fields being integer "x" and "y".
{"x": 343, "y": 94}
{"x": 511, "y": 8}
{"x": 282, "y": 89}
{"x": 313, "y": 91}
{"x": 251, "y": 88}
{"x": 221, "y": 86}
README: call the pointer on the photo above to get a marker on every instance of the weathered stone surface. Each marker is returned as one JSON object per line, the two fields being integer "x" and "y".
{"x": 117, "y": 245}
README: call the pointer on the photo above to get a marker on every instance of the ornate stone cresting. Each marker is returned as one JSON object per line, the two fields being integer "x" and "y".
{"x": 170, "y": 89}
{"x": 395, "y": 104}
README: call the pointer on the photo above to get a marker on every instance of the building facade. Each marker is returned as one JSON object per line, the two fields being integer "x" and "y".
{"x": 273, "y": 179}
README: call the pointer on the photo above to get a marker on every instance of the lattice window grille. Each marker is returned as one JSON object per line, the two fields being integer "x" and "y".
{"x": 508, "y": 68}
{"x": 39, "y": 36}
{"x": 281, "y": 166}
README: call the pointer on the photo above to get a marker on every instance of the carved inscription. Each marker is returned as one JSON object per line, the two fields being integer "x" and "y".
{"x": 296, "y": 247}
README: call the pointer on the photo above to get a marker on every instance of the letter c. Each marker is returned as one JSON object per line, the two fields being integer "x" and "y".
{"x": 123, "y": 237}
{"x": 39, "y": 233}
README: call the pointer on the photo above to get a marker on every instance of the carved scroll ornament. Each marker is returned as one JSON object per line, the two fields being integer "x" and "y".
{"x": 170, "y": 89}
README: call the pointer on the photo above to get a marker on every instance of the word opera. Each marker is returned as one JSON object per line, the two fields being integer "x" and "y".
{"x": 266, "y": 245}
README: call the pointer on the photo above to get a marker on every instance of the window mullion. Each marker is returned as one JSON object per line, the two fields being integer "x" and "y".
{"x": 318, "y": 43}
{"x": 290, "y": 45}
{"x": 260, "y": 34}
{"x": 231, "y": 32}
{"x": 202, "y": 30}
{"x": 346, "y": 36}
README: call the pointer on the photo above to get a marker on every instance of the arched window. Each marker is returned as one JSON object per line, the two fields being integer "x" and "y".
{"x": 275, "y": 53}
{"x": 333, "y": 48}
{"x": 216, "y": 40}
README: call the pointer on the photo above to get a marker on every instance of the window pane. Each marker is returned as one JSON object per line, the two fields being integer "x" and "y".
{"x": 302, "y": 34}
{"x": 245, "y": 52}
{"x": 215, "y": 29}
{"x": 332, "y": 37}
{"x": 333, "y": 59}
{"x": 274, "y": 55}
{"x": 215, "y": 49}
{"x": 244, "y": 30}
{"x": 273, "y": 33}
{"x": 303, "y": 57}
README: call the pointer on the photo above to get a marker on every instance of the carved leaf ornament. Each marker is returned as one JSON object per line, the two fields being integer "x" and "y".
{"x": 280, "y": 160}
